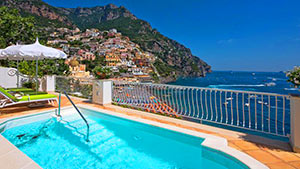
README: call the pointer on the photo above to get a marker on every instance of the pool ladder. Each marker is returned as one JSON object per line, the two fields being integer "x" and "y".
{"x": 78, "y": 111}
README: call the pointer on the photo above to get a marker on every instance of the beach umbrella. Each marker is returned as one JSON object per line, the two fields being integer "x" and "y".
{"x": 34, "y": 51}
{"x": 4, "y": 55}
{"x": 10, "y": 53}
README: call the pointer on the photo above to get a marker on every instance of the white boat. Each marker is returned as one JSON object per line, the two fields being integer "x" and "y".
{"x": 270, "y": 84}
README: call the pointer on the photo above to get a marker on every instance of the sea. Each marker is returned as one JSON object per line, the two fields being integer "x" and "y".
{"x": 270, "y": 82}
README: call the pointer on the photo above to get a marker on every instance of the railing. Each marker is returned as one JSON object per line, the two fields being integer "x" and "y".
{"x": 75, "y": 86}
{"x": 256, "y": 111}
{"x": 78, "y": 111}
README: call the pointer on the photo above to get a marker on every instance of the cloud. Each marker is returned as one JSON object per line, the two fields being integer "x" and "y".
{"x": 227, "y": 41}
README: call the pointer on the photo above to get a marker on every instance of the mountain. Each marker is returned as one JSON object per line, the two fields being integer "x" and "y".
{"x": 45, "y": 14}
{"x": 173, "y": 59}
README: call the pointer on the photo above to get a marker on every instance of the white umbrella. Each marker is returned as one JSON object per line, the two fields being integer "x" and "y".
{"x": 34, "y": 51}
{"x": 8, "y": 53}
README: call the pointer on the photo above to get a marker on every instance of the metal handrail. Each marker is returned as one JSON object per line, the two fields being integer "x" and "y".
{"x": 262, "y": 112}
{"x": 86, "y": 122}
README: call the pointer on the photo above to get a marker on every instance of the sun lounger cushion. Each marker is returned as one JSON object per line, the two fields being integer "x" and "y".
{"x": 22, "y": 89}
{"x": 37, "y": 97}
{"x": 33, "y": 93}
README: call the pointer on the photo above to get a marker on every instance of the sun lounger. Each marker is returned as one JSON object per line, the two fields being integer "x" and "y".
{"x": 8, "y": 100}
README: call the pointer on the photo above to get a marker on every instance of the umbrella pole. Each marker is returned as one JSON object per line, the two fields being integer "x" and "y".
{"x": 36, "y": 76}
{"x": 17, "y": 73}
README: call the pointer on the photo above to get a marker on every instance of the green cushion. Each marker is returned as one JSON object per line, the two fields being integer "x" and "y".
{"x": 33, "y": 93}
{"x": 22, "y": 89}
{"x": 37, "y": 97}
{"x": 8, "y": 94}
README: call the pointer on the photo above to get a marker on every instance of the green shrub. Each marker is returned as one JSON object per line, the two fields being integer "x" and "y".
{"x": 30, "y": 84}
{"x": 294, "y": 76}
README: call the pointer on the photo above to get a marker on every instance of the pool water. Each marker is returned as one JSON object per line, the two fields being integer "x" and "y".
{"x": 113, "y": 143}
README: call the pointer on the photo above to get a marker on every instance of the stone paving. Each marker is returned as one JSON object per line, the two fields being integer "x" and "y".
{"x": 274, "y": 154}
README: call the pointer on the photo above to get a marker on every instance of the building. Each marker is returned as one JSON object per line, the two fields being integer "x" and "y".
{"x": 88, "y": 56}
{"x": 79, "y": 71}
{"x": 73, "y": 38}
{"x": 112, "y": 60}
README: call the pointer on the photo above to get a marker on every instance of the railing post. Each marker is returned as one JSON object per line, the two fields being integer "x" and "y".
{"x": 295, "y": 122}
{"x": 102, "y": 92}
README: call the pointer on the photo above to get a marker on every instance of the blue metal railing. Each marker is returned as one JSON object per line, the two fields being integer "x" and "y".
{"x": 78, "y": 111}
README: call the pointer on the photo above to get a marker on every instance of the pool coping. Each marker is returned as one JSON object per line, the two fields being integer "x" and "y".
{"x": 13, "y": 158}
{"x": 211, "y": 141}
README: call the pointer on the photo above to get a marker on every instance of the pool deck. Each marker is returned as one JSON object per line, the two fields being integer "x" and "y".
{"x": 272, "y": 153}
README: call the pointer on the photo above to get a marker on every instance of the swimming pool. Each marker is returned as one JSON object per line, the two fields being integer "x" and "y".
{"x": 114, "y": 143}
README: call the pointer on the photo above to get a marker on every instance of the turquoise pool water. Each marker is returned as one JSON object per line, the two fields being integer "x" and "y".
{"x": 114, "y": 143}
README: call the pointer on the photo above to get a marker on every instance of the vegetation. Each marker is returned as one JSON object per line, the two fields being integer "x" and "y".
{"x": 294, "y": 76}
{"x": 163, "y": 69}
{"x": 45, "y": 67}
{"x": 101, "y": 72}
{"x": 75, "y": 43}
{"x": 154, "y": 76}
{"x": 30, "y": 84}
{"x": 90, "y": 65}
{"x": 41, "y": 21}
{"x": 15, "y": 28}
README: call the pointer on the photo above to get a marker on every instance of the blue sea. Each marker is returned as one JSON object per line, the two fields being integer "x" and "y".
{"x": 271, "y": 82}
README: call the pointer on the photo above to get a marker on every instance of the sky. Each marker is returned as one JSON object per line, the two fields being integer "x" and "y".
{"x": 238, "y": 35}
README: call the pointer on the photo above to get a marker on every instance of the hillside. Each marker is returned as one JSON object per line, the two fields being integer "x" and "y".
{"x": 173, "y": 59}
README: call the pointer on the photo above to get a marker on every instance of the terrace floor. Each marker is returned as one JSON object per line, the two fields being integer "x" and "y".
{"x": 274, "y": 154}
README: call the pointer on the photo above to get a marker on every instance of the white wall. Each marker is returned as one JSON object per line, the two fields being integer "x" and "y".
{"x": 8, "y": 77}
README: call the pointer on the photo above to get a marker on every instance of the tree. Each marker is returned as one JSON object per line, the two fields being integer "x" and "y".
{"x": 90, "y": 65}
{"x": 45, "y": 67}
{"x": 15, "y": 28}
{"x": 102, "y": 72}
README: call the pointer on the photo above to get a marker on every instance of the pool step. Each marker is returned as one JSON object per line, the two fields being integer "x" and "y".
{"x": 78, "y": 127}
{"x": 99, "y": 135}
{"x": 103, "y": 142}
